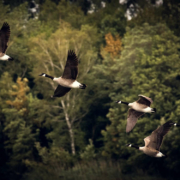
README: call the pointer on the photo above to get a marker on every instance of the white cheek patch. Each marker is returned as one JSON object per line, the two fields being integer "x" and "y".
{"x": 175, "y": 124}
{"x": 130, "y": 145}
{"x": 44, "y": 75}
{"x": 119, "y": 102}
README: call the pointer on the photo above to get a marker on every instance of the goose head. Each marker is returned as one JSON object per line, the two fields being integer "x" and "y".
{"x": 43, "y": 74}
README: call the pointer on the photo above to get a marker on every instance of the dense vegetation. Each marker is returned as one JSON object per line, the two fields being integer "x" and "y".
{"x": 82, "y": 135}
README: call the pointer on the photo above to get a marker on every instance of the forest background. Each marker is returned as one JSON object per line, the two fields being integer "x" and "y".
{"x": 82, "y": 135}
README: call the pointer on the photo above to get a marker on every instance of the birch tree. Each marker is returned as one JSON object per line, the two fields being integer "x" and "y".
{"x": 50, "y": 54}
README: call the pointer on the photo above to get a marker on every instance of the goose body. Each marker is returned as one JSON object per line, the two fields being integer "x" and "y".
{"x": 68, "y": 80}
{"x": 154, "y": 141}
{"x": 151, "y": 152}
{"x": 140, "y": 107}
{"x": 4, "y": 38}
{"x": 137, "y": 109}
{"x": 70, "y": 83}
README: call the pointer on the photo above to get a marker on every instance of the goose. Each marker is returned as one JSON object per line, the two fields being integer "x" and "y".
{"x": 154, "y": 141}
{"x": 4, "y": 38}
{"x": 136, "y": 110}
{"x": 68, "y": 79}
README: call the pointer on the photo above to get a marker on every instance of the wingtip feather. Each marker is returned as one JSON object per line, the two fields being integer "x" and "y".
{"x": 5, "y": 24}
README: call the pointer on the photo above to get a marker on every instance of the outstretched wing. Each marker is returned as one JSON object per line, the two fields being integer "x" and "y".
{"x": 71, "y": 68}
{"x": 144, "y": 100}
{"x": 132, "y": 119}
{"x": 4, "y": 37}
{"x": 61, "y": 91}
{"x": 154, "y": 141}
{"x": 147, "y": 140}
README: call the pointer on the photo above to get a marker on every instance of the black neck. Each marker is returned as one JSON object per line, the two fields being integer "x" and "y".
{"x": 49, "y": 76}
{"x": 135, "y": 146}
{"x": 124, "y": 102}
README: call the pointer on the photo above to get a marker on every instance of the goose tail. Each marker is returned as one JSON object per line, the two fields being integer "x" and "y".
{"x": 83, "y": 86}
{"x": 153, "y": 110}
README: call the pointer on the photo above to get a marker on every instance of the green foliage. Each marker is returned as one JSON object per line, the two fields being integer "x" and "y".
{"x": 55, "y": 157}
{"x": 65, "y": 11}
{"x": 113, "y": 23}
{"x": 17, "y": 130}
{"x": 148, "y": 65}
{"x": 51, "y": 53}
{"x": 38, "y": 135}
{"x": 95, "y": 170}
{"x": 21, "y": 123}
{"x": 89, "y": 152}
{"x": 110, "y": 19}
{"x": 153, "y": 14}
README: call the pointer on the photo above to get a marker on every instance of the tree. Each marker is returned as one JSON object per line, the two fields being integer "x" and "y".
{"x": 23, "y": 122}
{"x": 65, "y": 11}
{"x": 51, "y": 54}
{"x": 113, "y": 46}
{"x": 113, "y": 22}
{"x": 148, "y": 65}
{"x": 17, "y": 132}
{"x": 109, "y": 19}
{"x": 152, "y": 13}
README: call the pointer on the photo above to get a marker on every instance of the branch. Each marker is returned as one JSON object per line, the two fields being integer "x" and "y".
{"x": 77, "y": 119}
{"x": 23, "y": 73}
{"x": 57, "y": 107}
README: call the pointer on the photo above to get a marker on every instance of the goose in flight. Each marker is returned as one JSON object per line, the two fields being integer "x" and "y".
{"x": 154, "y": 141}
{"x": 68, "y": 79}
{"x": 137, "y": 109}
{"x": 4, "y": 38}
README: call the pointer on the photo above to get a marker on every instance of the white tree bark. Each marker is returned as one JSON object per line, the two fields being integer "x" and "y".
{"x": 71, "y": 133}
{"x": 52, "y": 53}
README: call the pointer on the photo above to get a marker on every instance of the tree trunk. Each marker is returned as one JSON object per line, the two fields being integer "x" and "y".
{"x": 71, "y": 133}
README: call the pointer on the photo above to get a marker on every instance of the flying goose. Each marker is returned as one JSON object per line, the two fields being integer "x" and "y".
{"x": 154, "y": 141}
{"x": 68, "y": 79}
{"x": 138, "y": 108}
{"x": 4, "y": 38}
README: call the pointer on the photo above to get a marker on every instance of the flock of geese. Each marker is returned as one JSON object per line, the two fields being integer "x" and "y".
{"x": 68, "y": 81}
{"x": 152, "y": 142}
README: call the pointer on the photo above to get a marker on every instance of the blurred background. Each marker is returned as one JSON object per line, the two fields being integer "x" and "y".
{"x": 125, "y": 48}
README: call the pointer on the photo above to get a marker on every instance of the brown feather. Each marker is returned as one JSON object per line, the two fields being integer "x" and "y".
{"x": 71, "y": 68}
{"x": 144, "y": 100}
{"x": 4, "y": 37}
{"x": 61, "y": 91}
{"x": 132, "y": 119}
{"x": 154, "y": 141}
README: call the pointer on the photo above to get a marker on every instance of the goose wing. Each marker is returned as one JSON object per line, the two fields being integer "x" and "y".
{"x": 4, "y": 38}
{"x": 132, "y": 119}
{"x": 61, "y": 91}
{"x": 154, "y": 141}
{"x": 147, "y": 140}
{"x": 144, "y": 100}
{"x": 71, "y": 68}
